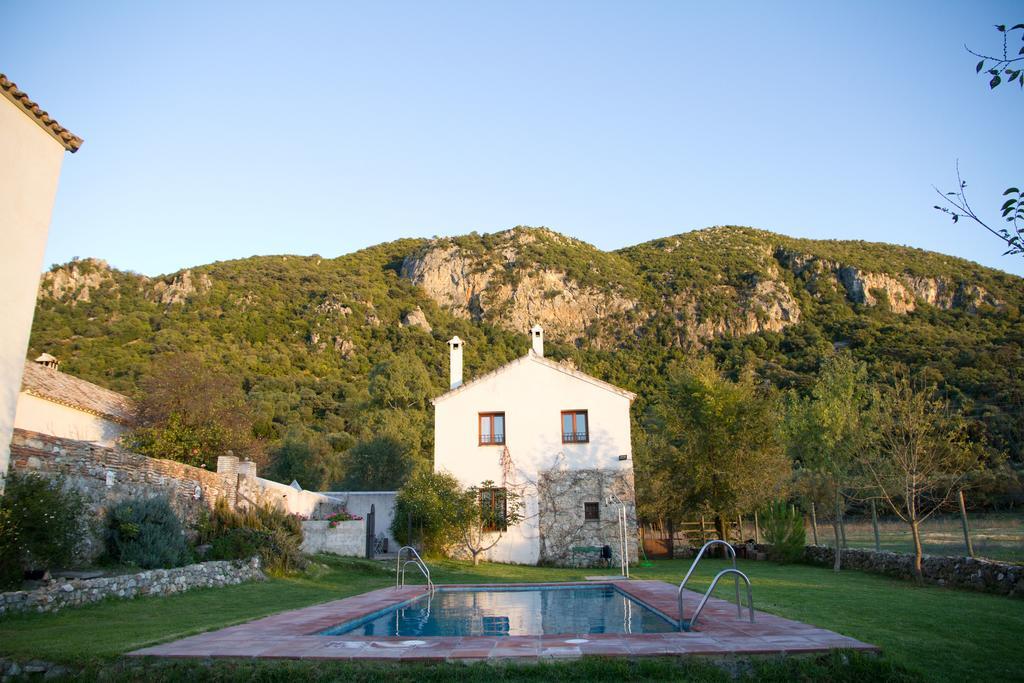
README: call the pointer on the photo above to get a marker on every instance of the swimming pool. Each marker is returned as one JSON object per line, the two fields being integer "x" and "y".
{"x": 507, "y": 611}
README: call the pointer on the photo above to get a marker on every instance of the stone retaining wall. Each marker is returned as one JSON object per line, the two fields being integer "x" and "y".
{"x": 105, "y": 476}
{"x": 956, "y": 572}
{"x": 75, "y": 592}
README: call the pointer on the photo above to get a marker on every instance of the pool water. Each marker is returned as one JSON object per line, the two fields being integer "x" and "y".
{"x": 537, "y": 610}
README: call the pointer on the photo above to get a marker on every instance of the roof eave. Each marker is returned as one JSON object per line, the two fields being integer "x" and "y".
{"x": 20, "y": 99}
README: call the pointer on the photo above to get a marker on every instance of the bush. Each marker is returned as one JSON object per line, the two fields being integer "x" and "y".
{"x": 784, "y": 531}
{"x": 434, "y": 501}
{"x": 41, "y": 526}
{"x": 145, "y": 533}
{"x": 273, "y": 534}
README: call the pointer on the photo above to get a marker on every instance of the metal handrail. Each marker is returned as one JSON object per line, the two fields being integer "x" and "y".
{"x": 679, "y": 593}
{"x": 711, "y": 588}
{"x": 418, "y": 561}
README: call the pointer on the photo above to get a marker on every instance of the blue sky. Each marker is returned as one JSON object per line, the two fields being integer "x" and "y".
{"x": 222, "y": 130}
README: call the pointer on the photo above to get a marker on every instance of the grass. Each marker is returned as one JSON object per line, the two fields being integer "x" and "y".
{"x": 939, "y": 634}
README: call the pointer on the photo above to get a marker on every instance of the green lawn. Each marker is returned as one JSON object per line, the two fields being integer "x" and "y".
{"x": 939, "y": 633}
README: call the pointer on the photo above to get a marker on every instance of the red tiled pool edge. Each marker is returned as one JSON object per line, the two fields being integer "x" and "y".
{"x": 292, "y": 634}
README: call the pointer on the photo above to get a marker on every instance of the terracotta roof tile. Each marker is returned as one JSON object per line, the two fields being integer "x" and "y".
{"x": 64, "y": 136}
{"x": 53, "y": 385}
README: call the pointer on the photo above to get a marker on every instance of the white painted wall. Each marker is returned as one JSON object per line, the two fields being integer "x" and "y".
{"x": 46, "y": 417}
{"x": 345, "y": 538}
{"x": 532, "y": 394}
{"x": 30, "y": 161}
{"x": 383, "y": 502}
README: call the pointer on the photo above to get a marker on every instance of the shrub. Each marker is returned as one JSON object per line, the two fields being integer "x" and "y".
{"x": 145, "y": 532}
{"x": 273, "y": 534}
{"x": 434, "y": 502}
{"x": 41, "y": 526}
{"x": 784, "y": 531}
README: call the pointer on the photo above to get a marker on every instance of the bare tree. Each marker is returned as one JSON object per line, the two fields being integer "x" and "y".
{"x": 488, "y": 513}
{"x": 921, "y": 455}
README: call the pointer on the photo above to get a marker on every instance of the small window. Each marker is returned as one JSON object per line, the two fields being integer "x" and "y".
{"x": 575, "y": 426}
{"x": 494, "y": 509}
{"x": 492, "y": 429}
{"x": 591, "y": 511}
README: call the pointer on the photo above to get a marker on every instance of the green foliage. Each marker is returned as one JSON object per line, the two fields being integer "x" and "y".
{"x": 41, "y": 526}
{"x": 784, "y": 530}
{"x": 381, "y": 464}
{"x": 145, "y": 533}
{"x": 273, "y": 534}
{"x": 192, "y": 413}
{"x": 302, "y": 336}
{"x": 715, "y": 446}
{"x": 306, "y": 457}
{"x": 437, "y": 507}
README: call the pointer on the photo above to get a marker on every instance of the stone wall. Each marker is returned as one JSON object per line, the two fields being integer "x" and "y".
{"x": 562, "y": 494}
{"x": 955, "y": 572}
{"x": 107, "y": 475}
{"x": 346, "y": 538}
{"x": 75, "y": 592}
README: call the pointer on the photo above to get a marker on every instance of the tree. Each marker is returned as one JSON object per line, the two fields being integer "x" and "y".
{"x": 487, "y": 513}
{"x": 430, "y": 507}
{"x": 192, "y": 413}
{"x": 1012, "y": 210}
{"x": 718, "y": 448}
{"x": 921, "y": 455}
{"x": 400, "y": 383}
{"x": 825, "y": 434}
{"x": 308, "y": 458}
{"x": 380, "y": 464}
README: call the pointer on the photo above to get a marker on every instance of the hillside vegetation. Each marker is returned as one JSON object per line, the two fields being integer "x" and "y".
{"x": 353, "y": 347}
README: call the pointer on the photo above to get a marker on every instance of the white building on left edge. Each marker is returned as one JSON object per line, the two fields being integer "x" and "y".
{"x": 56, "y": 403}
{"x": 557, "y": 437}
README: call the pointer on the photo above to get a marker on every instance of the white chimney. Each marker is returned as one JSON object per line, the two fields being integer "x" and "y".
{"x": 537, "y": 337}
{"x": 455, "y": 362}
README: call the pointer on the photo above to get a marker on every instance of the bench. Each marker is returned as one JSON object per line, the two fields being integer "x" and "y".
{"x": 589, "y": 551}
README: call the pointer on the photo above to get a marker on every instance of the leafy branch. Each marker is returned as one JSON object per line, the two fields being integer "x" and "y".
{"x": 1002, "y": 66}
{"x": 1012, "y": 212}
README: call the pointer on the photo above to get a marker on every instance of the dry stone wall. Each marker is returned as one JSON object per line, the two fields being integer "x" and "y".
{"x": 57, "y": 595}
{"x": 105, "y": 476}
{"x": 955, "y": 572}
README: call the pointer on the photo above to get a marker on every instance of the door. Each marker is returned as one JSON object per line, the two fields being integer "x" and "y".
{"x": 371, "y": 532}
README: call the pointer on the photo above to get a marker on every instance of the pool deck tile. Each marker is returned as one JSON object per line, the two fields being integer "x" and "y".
{"x": 295, "y": 634}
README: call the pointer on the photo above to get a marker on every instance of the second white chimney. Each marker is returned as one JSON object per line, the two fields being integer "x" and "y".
{"x": 537, "y": 337}
{"x": 455, "y": 362}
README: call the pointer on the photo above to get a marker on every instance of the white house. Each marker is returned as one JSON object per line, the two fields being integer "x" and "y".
{"x": 56, "y": 403}
{"x": 556, "y": 436}
{"x": 32, "y": 147}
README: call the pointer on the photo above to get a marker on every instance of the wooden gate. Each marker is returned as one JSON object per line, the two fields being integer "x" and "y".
{"x": 371, "y": 532}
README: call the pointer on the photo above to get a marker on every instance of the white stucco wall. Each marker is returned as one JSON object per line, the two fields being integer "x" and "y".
{"x": 46, "y": 417}
{"x": 532, "y": 395}
{"x": 30, "y": 162}
{"x": 345, "y": 538}
{"x": 383, "y": 502}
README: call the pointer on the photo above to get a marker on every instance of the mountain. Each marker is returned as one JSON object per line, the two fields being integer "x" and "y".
{"x": 307, "y": 336}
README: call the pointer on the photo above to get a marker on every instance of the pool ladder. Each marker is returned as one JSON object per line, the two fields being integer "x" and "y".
{"x": 414, "y": 560}
{"x": 714, "y": 582}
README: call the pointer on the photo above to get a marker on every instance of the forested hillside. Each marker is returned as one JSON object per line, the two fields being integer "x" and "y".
{"x": 351, "y": 348}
